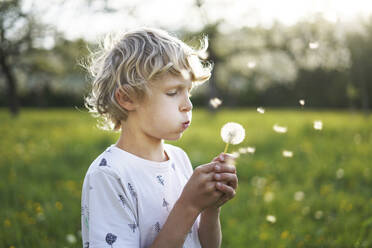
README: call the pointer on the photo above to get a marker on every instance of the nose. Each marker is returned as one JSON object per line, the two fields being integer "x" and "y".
{"x": 187, "y": 105}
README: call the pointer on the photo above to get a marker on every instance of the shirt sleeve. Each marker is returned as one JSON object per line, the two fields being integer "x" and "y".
{"x": 111, "y": 219}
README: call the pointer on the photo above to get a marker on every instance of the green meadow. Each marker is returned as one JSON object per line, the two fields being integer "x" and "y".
{"x": 320, "y": 197}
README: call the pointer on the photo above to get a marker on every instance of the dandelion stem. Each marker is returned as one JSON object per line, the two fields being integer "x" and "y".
{"x": 227, "y": 146}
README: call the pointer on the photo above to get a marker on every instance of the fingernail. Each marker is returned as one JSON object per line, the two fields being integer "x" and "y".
{"x": 218, "y": 176}
{"x": 222, "y": 158}
{"x": 217, "y": 167}
{"x": 219, "y": 184}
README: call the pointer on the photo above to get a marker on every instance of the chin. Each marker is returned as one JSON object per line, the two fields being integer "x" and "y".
{"x": 174, "y": 137}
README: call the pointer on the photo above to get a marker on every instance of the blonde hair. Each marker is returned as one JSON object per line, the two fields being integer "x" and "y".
{"x": 131, "y": 60}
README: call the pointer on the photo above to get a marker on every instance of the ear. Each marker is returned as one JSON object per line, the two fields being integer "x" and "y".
{"x": 124, "y": 100}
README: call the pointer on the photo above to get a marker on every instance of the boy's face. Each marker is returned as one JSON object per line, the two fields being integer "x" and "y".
{"x": 166, "y": 112}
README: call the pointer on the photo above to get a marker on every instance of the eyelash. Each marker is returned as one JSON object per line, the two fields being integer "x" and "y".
{"x": 175, "y": 93}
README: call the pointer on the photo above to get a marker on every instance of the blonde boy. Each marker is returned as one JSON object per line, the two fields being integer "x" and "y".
{"x": 141, "y": 192}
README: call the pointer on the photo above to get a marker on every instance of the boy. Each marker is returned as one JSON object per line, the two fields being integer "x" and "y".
{"x": 141, "y": 192}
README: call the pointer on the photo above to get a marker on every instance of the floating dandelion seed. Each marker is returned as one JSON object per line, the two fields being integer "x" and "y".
{"x": 302, "y": 102}
{"x": 232, "y": 133}
{"x": 251, "y": 150}
{"x": 287, "y": 154}
{"x": 279, "y": 129}
{"x": 215, "y": 102}
{"x": 71, "y": 238}
{"x": 242, "y": 150}
{"x": 340, "y": 173}
{"x": 261, "y": 110}
{"x": 235, "y": 154}
{"x": 314, "y": 45}
{"x": 318, "y": 125}
{"x": 251, "y": 64}
{"x": 271, "y": 218}
{"x": 185, "y": 74}
{"x": 299, "y": 196}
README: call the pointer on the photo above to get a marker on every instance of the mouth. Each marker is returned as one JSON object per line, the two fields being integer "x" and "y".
{"x": 186, "y": 124}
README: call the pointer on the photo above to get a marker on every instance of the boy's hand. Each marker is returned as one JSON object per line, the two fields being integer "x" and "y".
{"x": 226, "y": 178}
{"x": 201, "y": 192}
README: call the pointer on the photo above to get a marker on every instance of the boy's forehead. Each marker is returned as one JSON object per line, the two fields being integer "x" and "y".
{"x": 172, "y": 81}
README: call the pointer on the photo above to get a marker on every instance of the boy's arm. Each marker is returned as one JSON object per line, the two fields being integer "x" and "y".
{"x": 210, "y": 235}
{"x": 177, "y": 226}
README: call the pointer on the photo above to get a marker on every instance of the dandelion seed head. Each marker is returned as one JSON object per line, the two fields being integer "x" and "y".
{"x": 299, "y": 195}
{"x": 261, "y": 110}
{"x": 271, "y": 218}
{"x": 318, "y": 125}
{"x": 302, "y": 102}
{"x": 232, "y": 133}
{"x": 287, "y": 154}
{"x": 215, "y": 102}
{"x": 279, "y": 129}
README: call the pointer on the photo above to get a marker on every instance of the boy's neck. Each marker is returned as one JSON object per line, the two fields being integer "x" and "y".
{"x": 143, "y": 147}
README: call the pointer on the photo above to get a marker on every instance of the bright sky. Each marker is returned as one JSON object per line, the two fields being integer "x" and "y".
{"x": 76, "y": 20}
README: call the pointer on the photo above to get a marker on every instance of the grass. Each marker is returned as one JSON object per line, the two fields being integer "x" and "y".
{"x": 44, "y": 155}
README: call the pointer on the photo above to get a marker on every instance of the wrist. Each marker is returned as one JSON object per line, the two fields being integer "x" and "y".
{"x": 188, "y": 208}
{"x": 212, "y": 211}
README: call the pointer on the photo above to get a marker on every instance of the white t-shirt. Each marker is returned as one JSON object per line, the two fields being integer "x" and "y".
{"x": 127, "y": 199}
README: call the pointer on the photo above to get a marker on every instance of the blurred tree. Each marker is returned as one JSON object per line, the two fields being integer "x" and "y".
{"x": 19, "y": 33}
{"x": 360, "y": 45}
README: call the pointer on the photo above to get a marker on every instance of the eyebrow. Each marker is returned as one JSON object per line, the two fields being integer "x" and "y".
{"x": 179, "y": 85}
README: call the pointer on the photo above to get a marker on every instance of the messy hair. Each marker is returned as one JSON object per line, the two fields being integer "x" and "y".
{"x": 131, "y": 60}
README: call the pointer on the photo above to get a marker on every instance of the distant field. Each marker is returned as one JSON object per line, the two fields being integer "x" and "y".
{"x": 321, "y": 197}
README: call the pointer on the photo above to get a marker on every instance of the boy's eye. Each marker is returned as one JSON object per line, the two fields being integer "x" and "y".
{"x": 172, "y": 93}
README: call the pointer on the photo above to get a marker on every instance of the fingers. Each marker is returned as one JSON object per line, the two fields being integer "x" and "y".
{"x": 224, "y": 167}
{"x": 229, "y": 177}
{"x": 206, "y": 168}
{"x": 229, "y": 191}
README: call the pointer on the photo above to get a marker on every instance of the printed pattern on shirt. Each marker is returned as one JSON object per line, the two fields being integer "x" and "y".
{"x": 110, "y": 238}
{"x": 160, "y": 179}
{"x": 103, "y": 162}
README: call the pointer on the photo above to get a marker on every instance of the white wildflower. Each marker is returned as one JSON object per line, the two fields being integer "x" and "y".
{"x": 268, "y": 196}
{"x": 271, "y": 218}
{"x": 299, "y": 196}
{"x": 318, "y": 214}
{"x": 287, "y": 154}
{"x": 318, "y": 125}
{"x": 261, "y": 110}
{"x": 279, "y": 129}
{"x": 340, "y": 173}
{"x": 71, "y": 238}
{"x": 215, "y": 102}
